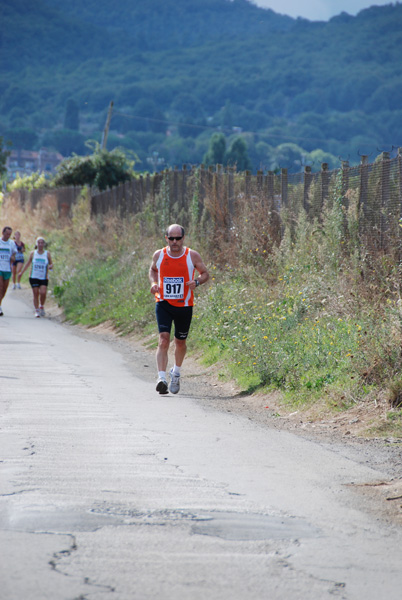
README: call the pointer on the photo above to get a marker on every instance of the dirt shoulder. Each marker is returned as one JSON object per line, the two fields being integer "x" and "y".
{"x": 342, "y": 433}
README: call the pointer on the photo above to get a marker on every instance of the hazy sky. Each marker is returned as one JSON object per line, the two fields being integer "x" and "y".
{"x": 318, "y": 10}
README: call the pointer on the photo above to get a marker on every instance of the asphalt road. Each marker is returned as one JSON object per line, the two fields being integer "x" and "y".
{"x": 108, "y": 490}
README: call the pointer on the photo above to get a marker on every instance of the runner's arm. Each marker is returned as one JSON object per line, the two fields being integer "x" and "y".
{"x": 13, "y": 254}
{"x": 27, "y": 264}
{"x": 153, "y": 273}
{"x": 203, "y": 274}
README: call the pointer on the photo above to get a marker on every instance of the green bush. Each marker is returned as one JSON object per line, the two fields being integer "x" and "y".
{"x": 102, "y": 170}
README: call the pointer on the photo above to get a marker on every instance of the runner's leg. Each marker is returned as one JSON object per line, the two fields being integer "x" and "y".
{"x": 3, "y": 287}
{"x": 35, "y": 291}
{"x": 42, "y": 294}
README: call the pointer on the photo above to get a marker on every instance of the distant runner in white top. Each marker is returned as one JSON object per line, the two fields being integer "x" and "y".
{"x": 18, "y": 264}
{"x": 41, "y": 262}
{"x": 8, "y": 250}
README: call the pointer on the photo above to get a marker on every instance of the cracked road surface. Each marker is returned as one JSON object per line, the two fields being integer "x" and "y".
{"x": 108, "y": 490}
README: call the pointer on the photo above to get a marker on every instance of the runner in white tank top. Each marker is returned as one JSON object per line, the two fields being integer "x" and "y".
{"x": 41, "y": 262}
{"x": 8, "y": 250}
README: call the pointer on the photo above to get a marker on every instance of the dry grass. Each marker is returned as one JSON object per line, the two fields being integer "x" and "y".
{"x": 31, "y": 222}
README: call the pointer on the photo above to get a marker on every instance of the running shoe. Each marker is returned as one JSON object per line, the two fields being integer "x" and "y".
{"x": 18, "y": 286}
{"x": 162, "y": 386}
{"x": 1, "y": 312}
{"x": 14, "y": 286}
{"x": 37, "y": 314}
{"x": 41, "y": 311}
{"x": 174, "y": 386}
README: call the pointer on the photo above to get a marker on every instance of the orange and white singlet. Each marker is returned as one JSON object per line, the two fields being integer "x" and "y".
{"x": 173, "y": 275}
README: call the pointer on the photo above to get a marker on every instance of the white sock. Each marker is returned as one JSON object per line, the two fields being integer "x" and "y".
{"x": 162, "y": 374}
{"x": 176, "y": 370}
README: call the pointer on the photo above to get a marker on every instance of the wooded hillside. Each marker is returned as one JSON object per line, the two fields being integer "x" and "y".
{"x": 298, "y": 91}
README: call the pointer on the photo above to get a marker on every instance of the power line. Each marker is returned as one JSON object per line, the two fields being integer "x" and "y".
{"x": 206, "y": 127}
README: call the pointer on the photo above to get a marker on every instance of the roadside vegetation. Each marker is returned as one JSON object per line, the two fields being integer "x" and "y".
{"x": 317, "y": 320}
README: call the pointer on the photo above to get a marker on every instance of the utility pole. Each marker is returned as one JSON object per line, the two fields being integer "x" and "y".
{"x": 107, "y": 124}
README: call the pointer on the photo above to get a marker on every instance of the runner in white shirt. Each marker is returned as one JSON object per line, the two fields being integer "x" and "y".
{"x": 8, "y": 250}
{"x": 41, "y": 262}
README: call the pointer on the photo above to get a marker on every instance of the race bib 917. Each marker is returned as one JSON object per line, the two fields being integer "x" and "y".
{"x": 173, "y": 288}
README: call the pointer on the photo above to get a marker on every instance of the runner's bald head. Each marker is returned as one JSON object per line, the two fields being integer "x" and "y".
{"x": 173, "y": 226}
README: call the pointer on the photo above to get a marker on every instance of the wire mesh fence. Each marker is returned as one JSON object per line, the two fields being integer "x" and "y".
{"x": 370, "y": 196}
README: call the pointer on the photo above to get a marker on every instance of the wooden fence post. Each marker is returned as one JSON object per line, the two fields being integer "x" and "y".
{"x": 274, "y": 208}
{"x": 247, "y": 181}
{"x": 123, "y": 201}
{"x": 231, "y": 196}
{"x": 94, "y": 204}
{"x": 135, "y": 204}
{"x": 218, "y": 176}
{"x": 183, "y": 199}
{"x": 284, "y": 187}
{"x": 363, "y": 194}
{"x": 385, "y": 191}
{"x": 155, "y": 185}
{"x": 384, "y": 178}
{"x": 260, "y": 181}
{"x": 141, "y": 192}
{"x": 203, "y": 175}
{"x": 210, "y": 178}
{"x": 306, "y": 187}
{"x": 175, "y": 187}
{"x": 345, "y": 177}
{"x": 324, "y": 184}
{"x": 271, "y": 190}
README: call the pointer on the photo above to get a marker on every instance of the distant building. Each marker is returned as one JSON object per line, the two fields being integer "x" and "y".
{"x": 25, "y": 162}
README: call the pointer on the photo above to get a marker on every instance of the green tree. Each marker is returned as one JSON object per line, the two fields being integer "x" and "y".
{"x": 22, "y": 138}
{"x": 262, "y": 155}
{"x": 216, "y": 151}
{"x": 318, "y": 156}
{"x": 72, "y": 116}
{"x": 288, "y": 156}
{"x": 226, "y": 116}
{"x": 188, "y": 106}
{"x": 237, "y": 156}
{"x": 102, "y": 169}
{"x": 4, "y": 154}
{"x": 65, "y": 141}
{"x": 190, "y": 127}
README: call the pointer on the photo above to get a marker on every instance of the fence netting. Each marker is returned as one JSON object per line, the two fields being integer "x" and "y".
{"x": 369, "y": 197}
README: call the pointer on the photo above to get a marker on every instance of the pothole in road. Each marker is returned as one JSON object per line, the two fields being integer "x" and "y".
{"x": 234, "y": 526}
{"x": 53, "y": 520}
{"x": 251, "y": 526}
{"x": 226, "y": 525}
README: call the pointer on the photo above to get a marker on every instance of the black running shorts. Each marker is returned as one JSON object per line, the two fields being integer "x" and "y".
{"x": 181, "y": 316}
{"x": 38, "y": 282}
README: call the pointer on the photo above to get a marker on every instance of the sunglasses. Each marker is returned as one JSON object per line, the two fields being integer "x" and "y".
{"x": 172, "y": 239}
